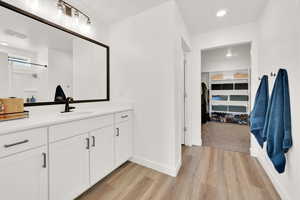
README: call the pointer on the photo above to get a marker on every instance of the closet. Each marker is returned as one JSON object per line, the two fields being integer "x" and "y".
{"x": 229, "y": 96}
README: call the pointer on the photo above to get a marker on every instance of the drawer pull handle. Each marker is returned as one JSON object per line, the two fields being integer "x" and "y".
{"x": 118, "y": 132}
{"x": 94, "y": 141}
{"x": 124, "y": 116}
{"x": 87, "y": 143}
{"x": 15, "y": 144}
{"x": 44, "y": 160}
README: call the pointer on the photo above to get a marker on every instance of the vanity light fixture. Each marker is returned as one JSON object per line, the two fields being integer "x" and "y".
{"x": 72, "y": 11}
{"x": 60, "y": 6}
{"x": 88, "y": 21}
{"x": 76, "y": 13}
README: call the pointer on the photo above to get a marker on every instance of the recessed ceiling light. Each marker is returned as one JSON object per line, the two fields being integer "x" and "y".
{"x": 3, "y": 43}
{"x": 221, "y": 13}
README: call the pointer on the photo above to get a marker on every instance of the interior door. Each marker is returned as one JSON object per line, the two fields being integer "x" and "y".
{"x": 101, "y": 153}
{"x": 24, "y": 176}
{"x": 69, "y": 167}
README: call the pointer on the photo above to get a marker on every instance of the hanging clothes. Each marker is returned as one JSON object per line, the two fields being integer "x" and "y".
{"x": 277, "y": 128}
{"x": 204, "y": 103}
{"x": 258, "y": 114}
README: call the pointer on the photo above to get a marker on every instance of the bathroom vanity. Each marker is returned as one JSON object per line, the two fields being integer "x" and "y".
{"x": 54, "y": 155}
{"x": 59, "y": 156}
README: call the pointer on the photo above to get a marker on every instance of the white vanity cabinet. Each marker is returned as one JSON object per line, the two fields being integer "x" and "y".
{"x": 69, "y": 167}
{"x": 74, "y": 149}
{"x": 24, "y": 166}
{"x": 101, "y": 153}
{"x": 62, "y": 160}
{"x": 83, "y": 152}
{"x": 123, "y": 137}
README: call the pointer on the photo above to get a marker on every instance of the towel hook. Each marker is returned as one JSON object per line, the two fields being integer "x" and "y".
{"x": 273, "y": 74}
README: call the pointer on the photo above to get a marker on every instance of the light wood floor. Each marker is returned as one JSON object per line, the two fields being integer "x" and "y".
{"x": 206, "y": 174}
{"x": 226, "y": 136}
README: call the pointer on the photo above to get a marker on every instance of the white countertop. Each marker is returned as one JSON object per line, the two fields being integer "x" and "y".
{"x": 51, "y": 118}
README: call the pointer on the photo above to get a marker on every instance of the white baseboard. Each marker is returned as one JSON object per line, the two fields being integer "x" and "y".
{"x": 267, "y": 165}
{"x": 171, "y": 171}
{"x": 177, "y": 168}
{"x": 254, "y": 152}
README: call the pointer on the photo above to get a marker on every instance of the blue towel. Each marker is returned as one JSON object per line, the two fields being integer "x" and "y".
{"x": 258, "y": 114}
{"x": 278, "y": 122}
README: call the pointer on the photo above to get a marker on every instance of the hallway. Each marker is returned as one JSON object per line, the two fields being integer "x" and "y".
{"x": 226, "y": 136}
{"x": 206, "y": 174}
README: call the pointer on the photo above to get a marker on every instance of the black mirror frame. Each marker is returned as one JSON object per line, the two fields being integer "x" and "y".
{"x": 47, "y": 22}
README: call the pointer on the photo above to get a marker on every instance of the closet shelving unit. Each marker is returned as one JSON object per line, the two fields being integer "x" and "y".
{"x": 229, "y": 95}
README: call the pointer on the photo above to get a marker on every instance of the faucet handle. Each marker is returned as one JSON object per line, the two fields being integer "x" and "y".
{"x": 70, "y": 99}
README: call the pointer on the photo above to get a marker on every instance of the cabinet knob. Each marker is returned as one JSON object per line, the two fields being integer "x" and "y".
{"x": 124, "y": 116}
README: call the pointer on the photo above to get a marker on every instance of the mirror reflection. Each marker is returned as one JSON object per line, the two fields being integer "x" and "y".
{"x": 40, "y": 63}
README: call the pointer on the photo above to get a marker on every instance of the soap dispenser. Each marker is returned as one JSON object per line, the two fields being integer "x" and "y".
{"x": 33, "y": 99}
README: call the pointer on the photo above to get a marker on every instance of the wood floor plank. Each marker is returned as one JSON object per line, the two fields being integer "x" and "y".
{"x": 206, "y": 174}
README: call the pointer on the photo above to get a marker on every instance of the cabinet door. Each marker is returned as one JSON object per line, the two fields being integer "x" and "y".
{"x": 69, "y": 167}
{"x": 24, "y": 175}
{"x": 101, "y": 153}
{"x": 123, "y": 142}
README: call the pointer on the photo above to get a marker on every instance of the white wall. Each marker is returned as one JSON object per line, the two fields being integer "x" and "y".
{"x": 279, "y": 43}
{"x": 213, "y": 60}
{"x": 143, "y": 48}
{"x": 205, "y": 78}
{"x": 233, "y": 35}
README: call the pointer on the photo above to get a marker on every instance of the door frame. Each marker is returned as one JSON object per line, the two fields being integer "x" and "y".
{"x": 186, "y": 137}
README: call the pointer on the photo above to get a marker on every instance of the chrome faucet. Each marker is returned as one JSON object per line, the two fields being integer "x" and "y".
{"x": 68, "y": 108}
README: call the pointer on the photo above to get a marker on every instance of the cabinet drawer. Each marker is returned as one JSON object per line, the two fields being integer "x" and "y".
{"x": 123, "y": 116}
{"x": 74, "y": 128}
{"x": 22, "y": 141}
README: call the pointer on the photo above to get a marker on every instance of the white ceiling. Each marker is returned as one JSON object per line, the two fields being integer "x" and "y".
{"x": 110, "y": 11}
{"x": 199, "y": 15}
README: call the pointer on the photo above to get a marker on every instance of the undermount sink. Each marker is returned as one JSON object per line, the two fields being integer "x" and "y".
{"x": 75, "y": 113}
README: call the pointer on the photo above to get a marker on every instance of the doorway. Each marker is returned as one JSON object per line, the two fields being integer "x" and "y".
{"x": 225, "y": 97}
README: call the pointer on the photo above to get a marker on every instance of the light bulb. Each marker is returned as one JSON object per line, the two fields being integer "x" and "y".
{"x": 221, "y": 13}
{"x": 229, "y": 53}
{"x": 3, "y": 43}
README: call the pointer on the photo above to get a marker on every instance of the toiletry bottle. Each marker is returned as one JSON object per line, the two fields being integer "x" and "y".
{"x": 32, "y": 100}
